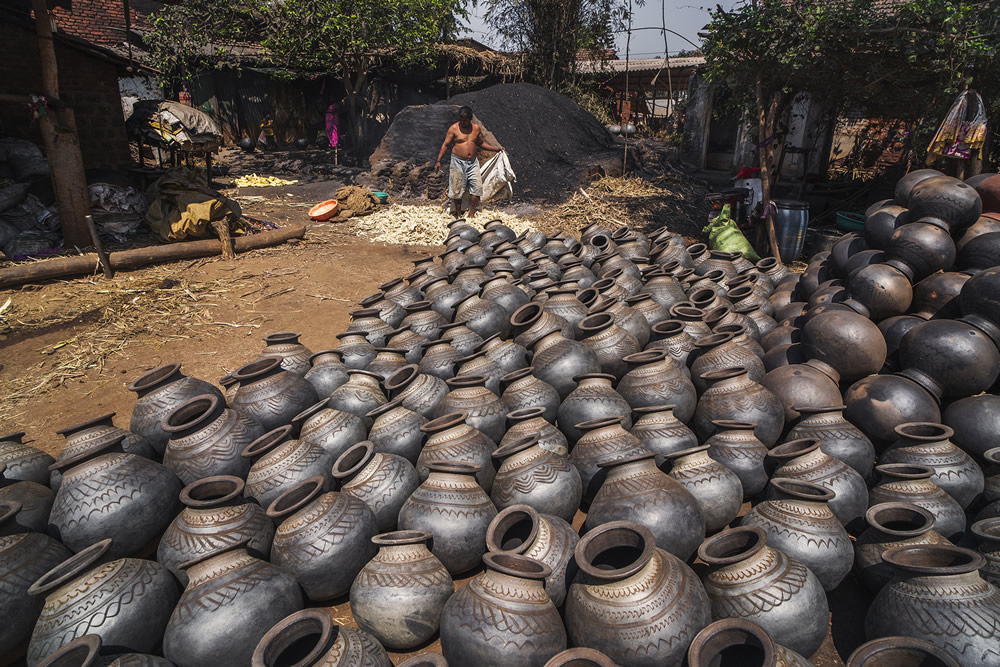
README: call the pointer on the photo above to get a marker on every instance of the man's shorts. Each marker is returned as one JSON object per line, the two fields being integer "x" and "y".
{"x": 464, "y": 177}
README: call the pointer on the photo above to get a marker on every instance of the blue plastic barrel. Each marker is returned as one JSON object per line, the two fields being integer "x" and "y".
{"x": 791, "y": 220}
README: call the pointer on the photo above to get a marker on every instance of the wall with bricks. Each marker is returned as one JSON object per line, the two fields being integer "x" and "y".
{"x": 103, "y": 21}
{"x": 87, "y": 83}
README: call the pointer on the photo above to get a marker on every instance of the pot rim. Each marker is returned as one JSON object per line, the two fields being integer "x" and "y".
{"x": 513, "y": 376}
{"x": 347, "y": 334}
{"x": 268, "y": 442}
{"x": 289, "y": 630}
{"x": 724, "y": 373}
{"x": 930, "y": 431}
{"x": 905, "y": 470}
{"x": 313, "y": 409}
{"x": 908, "y": 558}
{"x": 280, "y": 337}
{"x": 257, "y": 369}
{"x": 83, "y": 651}
{"x": 397, "y": 538}
{"x": 792, "y": 449}
{"x": 385, "y": 408}
{"x": 802, "y": 490}
{"x": 296, "y": 497}
{"x": 514, "y": 447}
{"x": 601, "y": 422}
{"x": 867, "y": 653}
{"x": 401, "y": 377}
{"x": 208, "y": 404}
{"x": 646, "y": 356}
{"x": 598, "y": 540}
{"x": 355, "y": 458}
{"x": 91, "y": 452}
{"x": 454, "y": 467}
{"x": 596, "y": 322}
{"x": 524, "y": 414}
{"x": 516, "y": 565}
{"x": 628, "y": 458}
{"x": 727, "y": 633}
{"x": 737, "y": 544}
{"x": 594, "y": 376}
{"x": 680, "y": 453}
{"x": 991, "y": 455}
{"x": 462, "y": 381}
{"x": 157, "y": 376}
{"x": 873, "y": 520}
{"x": 653, "y": 409}
{"x": 987, "y": 529}
{"x": 9, "y": 508}
{"x": 444, "y": 422}
{"x": 818, "y": 409}
{"x": 714, "y": 340}
{"x": 322, "y": 353}
{"x": 71, "y": 568}
{"x": 668, "y": 328}
{"x": 236, "y": 487}
{"x": 734, "y": 425}
{"x": 507, "y": 519}
{"x": 526, "y": 315}
{"x": 17, "y": 436}
{"x": 102, "y": 420}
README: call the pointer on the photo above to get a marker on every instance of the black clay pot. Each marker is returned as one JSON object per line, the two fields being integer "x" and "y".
{"x": 271, "y": 395}
{"x": 893, "y": 329}
{"x": 906, "y": 483}
{"x": 906, "y": 185}
{"x": 880, "y": 291}
{"x": 880, "y": 224}
{"x": 928, "y": 444}
{"x": 312, "y": 637}
{"x": 396, "y": 430}
{"x": 557, "y": 360}
{"x": 656, "y": 379}
{"x": 937, "y": 295}
{"x": 735, "y": 446}
{"x": 207, "y": 438}
{"x": 158, "y": 393}
{"x": 949, "y": 358}
{"x": 809, "y": 385}
{"x": 530, "y": 475}
{"x": 661, "y": 432}
{"x": 849, "y": 343}
{"x": 592, "y": 399}
{"x": 717, "y": 489}
{"x": 326, "y": 372}
{"x": 919, "y": 249}
{"x": 900, "y": 652}
{"x": 878, "y": 403}
{"x": 733, "y": 395}
{"x": 382, "y": 481}
{"x": 976, "y": 421}
{"x": 946, "y": 202}
{"x": 603, "y": 440}
{"x": 23, "y": 462}
{"x": 890, "y": 525}
{"x": 838, "y": 437}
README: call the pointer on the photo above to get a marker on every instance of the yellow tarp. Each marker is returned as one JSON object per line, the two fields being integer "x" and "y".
{"x": 183, "y": 208}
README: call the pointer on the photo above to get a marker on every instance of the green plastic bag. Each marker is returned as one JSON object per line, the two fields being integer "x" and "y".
{"x": 723, "y": 234}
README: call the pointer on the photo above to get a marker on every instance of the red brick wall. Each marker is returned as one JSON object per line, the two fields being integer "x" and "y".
{"x": 102, "y": 21}
{"x": 87, "y": 83}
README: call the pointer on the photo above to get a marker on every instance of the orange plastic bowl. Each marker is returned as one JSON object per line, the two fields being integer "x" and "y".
{"x": 324, "y": 210}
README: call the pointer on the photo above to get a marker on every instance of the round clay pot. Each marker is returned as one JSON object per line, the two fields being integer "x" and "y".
{"x": 671, "y": 336}
{"x": 360, "y": 395}
{"x": 929, "y": 444}
{"x": 367, "y": 322}
{"x": 558, "y": 360}
{"x": 592, "y": 399}
{"x": 945, "y": 202}
{"x": 386, "y": 362}
{"x": 919, "y": 249}
{"x": 879, "y": 291}
{"x": 483, "y": 316}
{"x": 733, "y": 395}
{"x": 451, "y": 439}
{"x": 479, "y": 364}
{"x": 483, "y": 409}
{"x": 286, "y": 348}
{"x": 270, "y": 395}
{"x": 530, "y": 475}
{"x": 602, "y": 440}
{"x": 838, "y": 437}
{"x": 949, "y": 358}
{"x": 609, "y": 342}
{"x": 507, "y": 355}
{"x": 661, "y": 432}
{"x": 531, "y": 422}
{"x": 987, "y": 532}
{"x": 900, "y": 652}
{"x": 158, "y": 393}
{"x": 88, "y": 437}
{"x": 23, "y": 462}
{"x": 326, "y": 372}
{"x": 906, "y": 185}
{"x": 280, "y": 462}
{"x": 735, "y": 446}
{"x": 383, "y": 481}
{"x": 355, "y": 350}
{"x": 882, "y": 222}
{"x": 808, "y": 385}
{"x": 206, "y": 439}
{"x": 399, "y": 594}
{"x": 890, "y": 525}
{"x": 657, "y": 379}
{"x": 506, "y": 295}
{"x": 717, "y": 489}
{"x": 530, "y": 323}
{"x": 31, "y": 505}
{"x": 911, "y": 483}
{"x": 439, "y": 358}
{"x": 522, "y": 390}
{"x": 323, "y": 539}
{"x": 747, "y": 579}
{"x": 388, "y": 310}
{"x": 331, "y": 430}
{"x": 878, "y": 403}
{"x": 718, "y": 351}
{"x": 849, "y": 343}
{"x": 937, "y": 295}
{"x": 396, "y": 430}
{"x": 311, "y": 637}
{"x": 416, "y": 391}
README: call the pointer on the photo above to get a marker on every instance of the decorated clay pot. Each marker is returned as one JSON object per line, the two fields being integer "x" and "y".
{"x": 360, "y": 395}
{"x": 735, "y": 445}
{"x": 23, "y": 462}
{"x": 602, "y": 440}
{"x": 396, "y": 430}
{"x": 383, "y": 481}
{"x": 522, "y": 390}
{"x": 331, "y": 430}
{"x": 483, "y": 409}
{"x": 716, "y": 488}
{"x": 891, "y": 525}
{"x": 656, "y": 379}
{"x": 878, "y": 403}
{"x": 280, "y": 462}
{"x": 158, "y": 393}
{"x": 838, "y": 437}
{"x": 609, "y": 342}
{"x": 416, "y": 391}
{"x": 661, "y": 432}
{"x": 671, "y": 336}
{"x": 270, "y": 394}
{"x": 557, "y": 360}
{"x": 530, "y": 475}
{"x": 99, "y": 433}
{"x": 32, "y": 503}
{"x": 929, "y": 444}
{"x": 742, "y": 641}
{"x": 592, "y": 399}
{"x": 355, "y": 350}
{"x": 733, "y": 395}
{"x": 285, "y": 346}
{"x": 909, "y": 483}
{"x": 312, "y": 637}
{"x": 451, "y": 439}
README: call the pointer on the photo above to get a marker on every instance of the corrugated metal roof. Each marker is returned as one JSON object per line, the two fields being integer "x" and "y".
{"x": 639, "y": 64}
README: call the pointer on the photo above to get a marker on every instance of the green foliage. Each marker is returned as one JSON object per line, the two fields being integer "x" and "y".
{"x": 588, "y": 94}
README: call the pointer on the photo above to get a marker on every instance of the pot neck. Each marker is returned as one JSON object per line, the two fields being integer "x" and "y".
{"x": 156, "y": 378}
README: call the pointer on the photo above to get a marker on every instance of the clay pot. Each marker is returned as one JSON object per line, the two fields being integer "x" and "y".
{"x": 109, "y": 494}
{"x": 978, "y": 304}
{"x": 592, "y": 399}
{"x": 270, "y": 395}
{"x": 285, "y": 347}
{"x": 981, "y": 252}
{"x": 988, "y": 223}
{"x": 733, "y": 395}
{"x": 893, "y": 329}
{"x": 799, "y": 522}
{"x": 416, "y": 391}
{"x": 750, "y": 580}
{"x": 232, "y": 599}
{"x": 531, "y": 422}
{"x": 367, "y": 322}
{"x": 743, "y": 642}
{"x": 718, "y": 351}
{"x": 23, "y": 462}
{"x": 522, "y": 390}
{"x": 656, "y": 379}
{"x": 949, "y": 358}
{"x": 929, "y": 444}
{"x": 427, "y": 318}
{"x": 521, "y": 530}
{"x": 326, "y": 372}
{"x": 609, "y": 342}
{"x": 563, "y": 303}
{"x": 919, "y": 249}
{"x": 661, "y": 432}
{"x": 451, "y": 439}
{"x": 717, "y": 489}
{"x": 906, "y": 185}
{"x": 602, "y": 440}
{"x": 849, "y": 343}
{"x": 158, "y": 393}
{"x": 280, "y": 462}
{"x": 386, "y": 362}
{"x": 937, "y": 295}
{"x": 399, "y": 594}
{"x": 506, "y": 355}
{"x": 528, "y": 474}
{"x": 389, "y": 311}
{"x": 803, "y": 460}
{"x": 484, "y": 621}
{"x": 530, "y": 323}
{"x": 126, "y": 601}
{"x": 323, "y": 539}
{"x": 579, "y": 657}
{"x": 626, "y": 584}
{"x": 355, "y": 350}
{"x": 665, "y": 290}
{"x": 626, "y": 317}
{"x": 311, "y": 637}
{"x": 479, "y": 364}
{"x": 24, "y": 557}
{"x": 772, "y": 269}
{"x": 207, "y": 438}
{"x": 945, "y": 202}
{"x": 882, "y": 222}
{"x": 938, "y": 595}
{"x": 879, "y": 403}
{"x": 396, "y": 430}
{"x": 456, "y": 510}
{"x": 901, "y": 652}
{"x": 909, "y": 483}
{"x": 399, "y": 291}
{"x": 215, "y": 515}
{"x": 331, "y": 430}
{"x": 99, "y": 433}
{"x": 383, "y": 481}
{"x": 890, "y": 525}
{"x": 439, "y": 358}
{"x": 506, "y": 295}
{"x": 735, "y": 446}
{"x": 670, "y": 335}
{"x": 987, "y": 532}
{"x": 483, "y": 316}
{"x": 483, "y": 409}
{"x": 558, "y": 360}
{"x": 880, "y": 291}
{"x": 360, "y": 395}
{"x": 635, "y": 489}
{"x": 838, "y": 437}
{"x": 32, "y": 505}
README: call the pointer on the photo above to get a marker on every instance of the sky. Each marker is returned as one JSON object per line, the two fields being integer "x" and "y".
{"x": 686, "y": 17}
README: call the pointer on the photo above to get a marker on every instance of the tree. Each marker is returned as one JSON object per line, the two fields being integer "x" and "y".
{"x": 551, "y": 32}
{"x": 346, "y": 37}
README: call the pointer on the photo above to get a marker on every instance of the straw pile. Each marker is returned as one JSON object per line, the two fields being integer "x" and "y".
{"x": 424, "y": 224}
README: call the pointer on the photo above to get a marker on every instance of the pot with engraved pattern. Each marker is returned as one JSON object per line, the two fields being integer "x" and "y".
{"x": 285, "y": 346}
{"x": 86, "y": 651}
{"x": 717, "y": 489}
{"x": 215, "y": 514}
{"x": 127, "y": 601}
{"x": 33, "y": 503}
{"x": 271, "y": 395}
{"x": 602, "y": 440}
{"x": 439, "y": 357}
{"x": 383, "y": 481}
{"x": 527, "y": 474}
{"x": 479, "y": 364}
{"x": 399, "y": 594}
{"x": 735, "y": 446}
{"x": 609, "y": 342}
{"x": 635, "y": 603}
{"x": 743, "y": 642}
{"x": 890, "y": 525}
{"x": 911, "y": 483}
{"x": 280, "y": 462}
{"x": 532, "y": 422}
{"x": 523, "y": 390}
{"x": 367, "y": 322}
{"x": 455, "y": 509}
{"x": 361, "y": 394}
{"x": 451, "y": 439}
{"x": 732, "y": 394}
{"x": 331, "y": 430}
{"x": 656, "y": 379}
{"x": 158, "y": 393}
{"x": 23, "y": 462}
{"x": 416, "y": 391}
{"x": 326, "y": 372}
{"x": 207, "y": 438}
{"x": 838, "y": 437}
{"x": 671, "y": 336}
{"x": 396, "y": 430}
{"x": 661, "y": 432}
{"x": 929, "y": 444}
{"x": 386, "y": 362}
{"x": 557, "y": 360}
{"x": 483, "y": 409}
{"x": 89, "y": 436}
{"x": 483, "y": 316}
{"x": 388, "y": 310}
{"x": 322, "y": 539}
{"x": 355, "y": 350}
{"x": 592, "y": 399}
{"x": 313, "y": 637}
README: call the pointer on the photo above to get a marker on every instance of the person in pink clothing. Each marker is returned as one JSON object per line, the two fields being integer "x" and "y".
{"x": 333, "y": 124}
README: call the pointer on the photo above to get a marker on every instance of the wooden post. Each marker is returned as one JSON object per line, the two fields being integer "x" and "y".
{"x": 62, "y": 143}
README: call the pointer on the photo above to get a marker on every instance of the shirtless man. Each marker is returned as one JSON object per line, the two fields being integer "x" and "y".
{"x": 464, "y": 138}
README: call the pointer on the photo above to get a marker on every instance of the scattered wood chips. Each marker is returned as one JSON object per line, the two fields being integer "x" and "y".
{"x": 425, "y": 224}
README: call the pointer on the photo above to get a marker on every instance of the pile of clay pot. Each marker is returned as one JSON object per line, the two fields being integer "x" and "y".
{"x": 617, "y": 450}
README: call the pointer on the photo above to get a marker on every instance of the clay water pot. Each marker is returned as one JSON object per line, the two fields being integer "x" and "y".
{"x": 929, "y": 444}
{"x": 890, "y": 525}
{"x": 750, "y": 580}
{"x": 483, "y": 409}
{"x": 635, "y": 489}
{"x": 558, "y": 360}
{"x": 451, "y": 439}
{"x": 386, "y": 362}
{"x": 388, "y": 310}
{"x": 280, "y": 462}
{"x": 977, "y": 301}
{"x": 527, "y": 474}
{"x": 592, "y": 399}
{"x": 987, "y": 532}
{"x": 23, "y": 462}
{"x": 938, "y": 595}
{"x": 799, "y": 522}
{"x": 919, "y": 249}
{"x": 847, "y": 342}
{"x": 355, "y": 350}
{"x": 838, "y": 437}
{"x": 326, "y": 372}
{"x": 988, "y": 223}
{"x": 158, "y": 393}
{"x": 879, "y": 291}
{"x": 665, "y": 290}
{"x": 462, "y": 229}
{"x": 523, "y": 390}
{"x": 428, "y": 317}
{"x": 30, "y": 505}
{"x": 772, "y": 269}
{"x": 949, "y": 358}
{"x": 322, "y": 539}
{"x": 717, "y": 489}
{"x": 626, "y": 584}
{"x": 331, "y": 430}
{"x": 742, "y": 642}
{"x": 483, "y": 316}
{"x": 285, "y": 346}
{"x": 126, "y": 601}
{"x": 24, "y": 557}
{"x": 602, "y": 440}
{"x": 399, "y": 594}
{"x": 215, "y": 514}
{"x": 671, "y": 336}
{"x": 893, "y": 329}
{"x": 661, "y": 432}
{"x": 507, "y": 355}
{"x": 361, "y": 394}
{"x": 270, "y": 395}
{"x": 906, "y": 185}
{"x": 232, "y": 599}
{"x": 383, "y": 481}
{"x": 718, "y": 351}
{"x": 732, "y": 394}
{"x": 976, "y": 422}
{"x": 563, "y": 303}
{"x": 530, "y": 323}
{"x": 482, "y": 623}
{"x": 439, "y": 358}
{"x": 399, "y": 291}
{"x": 311, "y": 637}
{"x": 98, "y": 433}
{"x": 945, "y": 202}
{"x": 879, "y": 403}
{"x": 735, "y": 446}
{"x": 416, "y": 391}
{"x": 207, "y": 438}
{"x": 367, "y": 321}
{"x": 609, "y": 342}
{"x": 455, "y": 509}
{"x": 531, "y": 422}
{"x": 479, "y": 364}
{"x": 900, "y": 652}
{"x": 110, "y": 494}
{"x": 505, "y": 294}
{"x": 882, "y": 222}
{"x": 396, "y": 430}
{"x": 656, "y": 379}
{"x": 937, "y": 295}
{"x": 910, "y": 483}
{"x": 846, "y": 247}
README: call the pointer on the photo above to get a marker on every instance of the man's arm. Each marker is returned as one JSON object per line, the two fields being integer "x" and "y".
{"x": 448, "y": 139}
{"x": 485, "y": 146}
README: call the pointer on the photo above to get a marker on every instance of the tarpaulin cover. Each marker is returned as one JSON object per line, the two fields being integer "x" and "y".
{"x": 183, "y": 208}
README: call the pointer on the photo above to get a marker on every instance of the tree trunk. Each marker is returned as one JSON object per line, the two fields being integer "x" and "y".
{"x": 62, "y": 143}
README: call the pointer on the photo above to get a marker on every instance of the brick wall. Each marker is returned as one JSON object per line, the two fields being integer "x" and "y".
{"x": 87, "y": 83}
{"x": 102, "y": 21}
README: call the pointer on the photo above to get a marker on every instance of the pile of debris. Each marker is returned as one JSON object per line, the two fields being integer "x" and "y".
{"x": 27, "y": 225}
